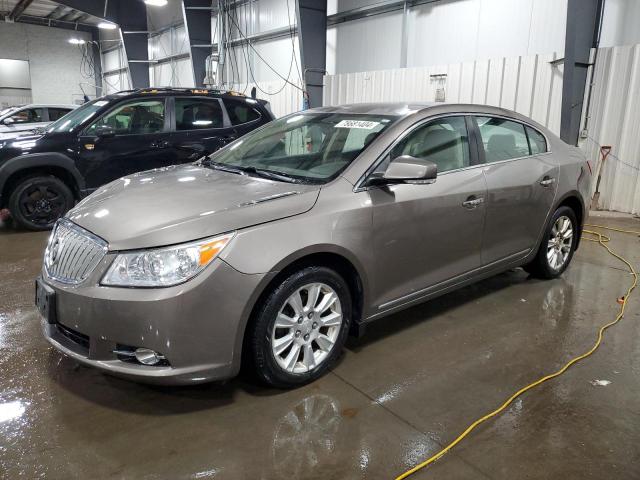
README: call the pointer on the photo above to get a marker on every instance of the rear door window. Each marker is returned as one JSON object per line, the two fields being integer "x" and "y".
{"x": 56, "y": 113}
{"x": 198, "y": 113}
{"x": 240, "y": 111}
{"x": 502, "y": 139}
{"x": 537, "y": 142}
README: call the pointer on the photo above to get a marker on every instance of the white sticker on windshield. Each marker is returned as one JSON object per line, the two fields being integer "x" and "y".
{"x": 101, "y": 103}
{"x": 357, "y": 124}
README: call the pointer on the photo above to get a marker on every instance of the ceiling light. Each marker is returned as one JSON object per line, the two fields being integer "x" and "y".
{"x": 156, "y": 3}
{"x": 107, "y": 25}
{"x": 76, "y": 41}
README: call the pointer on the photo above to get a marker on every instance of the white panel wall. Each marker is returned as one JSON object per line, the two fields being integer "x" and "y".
{"x": 621, "y": 23}
{"x": 529, "y": 85}
{"x": 54, "y": 62}
{"x": 447, "y": 31}
{"x": 614, "y": 120}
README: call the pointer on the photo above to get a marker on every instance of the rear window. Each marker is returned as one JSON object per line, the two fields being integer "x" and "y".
{"x": 197, "y": 113}
{"x": 502, "y": 139}
{"x": 240, "y": 111}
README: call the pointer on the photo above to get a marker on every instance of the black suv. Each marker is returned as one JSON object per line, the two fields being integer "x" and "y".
{"x": 43, "y": 175}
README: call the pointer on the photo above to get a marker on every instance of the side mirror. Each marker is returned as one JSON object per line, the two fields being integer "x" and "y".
{"x": 408, "y": 169}
{"x": 8, "y": 121}
{"x": 105, "y": 131}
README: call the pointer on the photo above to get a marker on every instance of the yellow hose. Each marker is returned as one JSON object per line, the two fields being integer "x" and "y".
{"x": 602, "y": 240}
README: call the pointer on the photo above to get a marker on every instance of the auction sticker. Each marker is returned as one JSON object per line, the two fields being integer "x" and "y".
{"x": 357, "y": 124}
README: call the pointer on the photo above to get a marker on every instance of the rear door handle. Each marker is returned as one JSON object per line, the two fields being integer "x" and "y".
{"x": 473, "y": 202}
{"x": 547, "y": 181}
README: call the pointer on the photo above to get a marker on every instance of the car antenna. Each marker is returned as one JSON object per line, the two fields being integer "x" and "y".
{"x": 254, "y": 92}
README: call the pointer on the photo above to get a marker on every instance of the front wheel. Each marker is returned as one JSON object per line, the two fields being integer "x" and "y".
{"x": 38, "y": 201}
{"x": 557, "y": 246}
{"x": 300, "y": 328}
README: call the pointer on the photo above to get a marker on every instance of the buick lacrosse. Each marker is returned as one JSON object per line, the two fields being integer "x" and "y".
{"x": 272, "y": 250}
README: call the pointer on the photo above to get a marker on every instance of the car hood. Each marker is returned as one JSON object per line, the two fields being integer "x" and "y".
{"x": 183, "y": 203}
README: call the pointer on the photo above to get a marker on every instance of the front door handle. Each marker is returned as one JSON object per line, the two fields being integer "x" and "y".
{"x": 547, "y": 181}
{"x": 473, "y": 202}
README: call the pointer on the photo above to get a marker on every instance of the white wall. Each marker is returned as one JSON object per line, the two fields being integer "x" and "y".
{"x": 447, "y": 31}
{"x": 621, "y": 25}
{"x": 54, "y": 64}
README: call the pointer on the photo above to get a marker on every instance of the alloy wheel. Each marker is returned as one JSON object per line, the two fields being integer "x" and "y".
{"x": 560, "y": 242}
{"x": 42, "y": 204}
{"x": 306, "y": 328}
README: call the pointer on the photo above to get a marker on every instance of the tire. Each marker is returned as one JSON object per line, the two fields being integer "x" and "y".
{"x": 273, "y": 348}
{"x": 36, "y": 202}
{"x": 562, "y": 237}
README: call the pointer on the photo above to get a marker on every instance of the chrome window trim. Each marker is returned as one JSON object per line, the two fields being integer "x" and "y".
{"x": 359, "y": 188}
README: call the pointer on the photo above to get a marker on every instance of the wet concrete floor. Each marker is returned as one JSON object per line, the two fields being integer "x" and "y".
{"x": 411, "y": 385}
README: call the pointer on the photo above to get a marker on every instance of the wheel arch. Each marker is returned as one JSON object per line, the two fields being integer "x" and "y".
{"x": 56, "y": 164}
{"x": 573, "y": 200}
{"x": 330, "y": 256}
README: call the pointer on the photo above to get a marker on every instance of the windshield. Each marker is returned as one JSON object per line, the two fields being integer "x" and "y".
{"x": 77, "y": 117}
{"x": 310, "y": 147}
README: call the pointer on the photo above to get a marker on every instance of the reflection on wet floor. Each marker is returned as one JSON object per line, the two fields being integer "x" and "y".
{"x": 406, "y": 388}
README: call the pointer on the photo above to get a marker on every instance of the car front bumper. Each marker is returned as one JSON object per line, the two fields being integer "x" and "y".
{"x": 197, "y": 326}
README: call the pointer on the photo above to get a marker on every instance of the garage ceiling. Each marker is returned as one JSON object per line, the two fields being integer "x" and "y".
{"x": 43, "y": 12}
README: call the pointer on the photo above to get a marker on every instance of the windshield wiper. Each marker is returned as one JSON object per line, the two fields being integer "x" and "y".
{"x": 270, "y": 174}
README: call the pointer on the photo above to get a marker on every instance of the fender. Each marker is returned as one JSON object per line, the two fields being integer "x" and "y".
{"x": 47, "y": 159}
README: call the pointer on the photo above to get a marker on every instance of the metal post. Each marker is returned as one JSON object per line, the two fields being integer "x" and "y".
{"x": 312, "y": 38}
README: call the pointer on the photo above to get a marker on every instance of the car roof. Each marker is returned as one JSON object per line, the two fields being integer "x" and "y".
{"x": 405, "y": 109}
{"x": 48, "y": 105}
{"x": 173, "y": 91}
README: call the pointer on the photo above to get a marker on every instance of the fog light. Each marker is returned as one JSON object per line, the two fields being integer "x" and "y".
{"x": 147, "y": 356}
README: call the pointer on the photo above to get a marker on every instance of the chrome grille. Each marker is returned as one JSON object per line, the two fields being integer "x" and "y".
{"x": 72, "y": 253}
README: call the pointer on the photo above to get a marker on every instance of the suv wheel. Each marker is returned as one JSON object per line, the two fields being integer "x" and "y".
{"x": 557, "y": 246}
{"x": 37, "y": 202}
{"x": 301, "y": 327}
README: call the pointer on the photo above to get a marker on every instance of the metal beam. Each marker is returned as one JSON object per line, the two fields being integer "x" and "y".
{"x": 312, "y": 38}
{"x": 583, "y": 27}
{"x": 197, "y": 22}
{"x": 57, "y": 12}
{"x": 19, "y": 9}
{"x": 131, "y": 17}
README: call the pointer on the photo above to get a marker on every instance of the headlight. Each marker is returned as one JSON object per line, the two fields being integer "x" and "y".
{"x": 164, "y": 267}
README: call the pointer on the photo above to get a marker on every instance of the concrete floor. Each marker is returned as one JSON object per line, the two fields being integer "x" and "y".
{"x": 411, "y": 385}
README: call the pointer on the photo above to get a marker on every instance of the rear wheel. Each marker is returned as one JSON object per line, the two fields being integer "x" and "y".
{"x": 301, "y": 327}
{"x": 557, "y": 246}
{"x": 36, "y": 202}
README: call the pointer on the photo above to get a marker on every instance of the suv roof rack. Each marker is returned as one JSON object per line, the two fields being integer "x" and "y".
{"x": 183, "y": 90}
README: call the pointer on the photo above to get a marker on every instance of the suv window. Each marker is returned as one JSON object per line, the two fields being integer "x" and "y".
{"x": 195, "y": 113}
{"x": 28, "y": 115}
{"x": 502, "y": 139}
{"x": 138, "y": 117}
{"x": 239, "y": 112}
{"x": 537, "y": 142}
{"x": 56, "y": 113}
{"x": 444, "y": 142}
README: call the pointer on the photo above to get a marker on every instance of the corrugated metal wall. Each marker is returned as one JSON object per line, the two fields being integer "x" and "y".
{"x": 614, "y": 120}
{"x": 530, "y": 85}
{"x": 283, "y": 100}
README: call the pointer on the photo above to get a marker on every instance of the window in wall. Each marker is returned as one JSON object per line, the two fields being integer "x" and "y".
{"x": 537, "y": 142}
{"x": 140, "y": 117}
{"x": 28, "y": 115}
{"x": 444, "y": 142}
{"x": 240, "y": 112}
{"x": 56, "y": 113}
{"x": 502, "y": 139}
{"x": 197, "y": 113}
